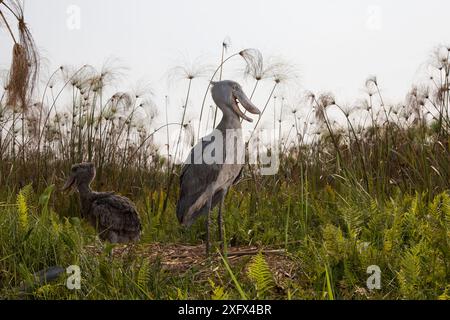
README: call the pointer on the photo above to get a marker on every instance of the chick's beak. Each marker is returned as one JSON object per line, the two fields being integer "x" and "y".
{"x": 69, "y": 183}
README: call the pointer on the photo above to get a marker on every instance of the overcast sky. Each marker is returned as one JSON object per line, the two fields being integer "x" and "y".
{"x": 336, "y": 45}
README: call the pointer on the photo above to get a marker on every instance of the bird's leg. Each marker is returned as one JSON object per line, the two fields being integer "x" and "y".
{"x": 220, "y": 224}
{"x": 208, "y": 223}
{"x": 220, "y": 221}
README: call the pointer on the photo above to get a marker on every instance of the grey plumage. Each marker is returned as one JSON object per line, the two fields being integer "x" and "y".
{"x": 194, "y": 181}
{"x": 115, "y": 217}
{"x": 204, "y": 184}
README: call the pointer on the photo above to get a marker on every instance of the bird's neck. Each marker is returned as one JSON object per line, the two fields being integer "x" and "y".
{"x": 229, "y": 120}
{"x": 84, "y": 189}
{"x": 85, "y": 192}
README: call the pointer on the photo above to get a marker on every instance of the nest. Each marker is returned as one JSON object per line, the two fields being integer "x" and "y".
{"x": 179, "y": 258}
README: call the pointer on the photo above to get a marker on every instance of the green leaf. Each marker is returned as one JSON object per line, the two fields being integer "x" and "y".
{"x": 236, "y": 283}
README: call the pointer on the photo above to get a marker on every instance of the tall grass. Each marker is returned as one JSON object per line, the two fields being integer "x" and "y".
{"x": 327, "y": 253}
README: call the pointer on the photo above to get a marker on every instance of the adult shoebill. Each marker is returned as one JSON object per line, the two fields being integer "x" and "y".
{"x": 114, "y": 216}
{"x": 214, "y": 164}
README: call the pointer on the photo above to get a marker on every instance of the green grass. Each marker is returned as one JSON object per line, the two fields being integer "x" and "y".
{"x": 329, "y": 249}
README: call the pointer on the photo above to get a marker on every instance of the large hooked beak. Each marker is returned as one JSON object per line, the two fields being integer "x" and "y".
{"x": 239, "y": 96}
{"x": 69, "y": 183}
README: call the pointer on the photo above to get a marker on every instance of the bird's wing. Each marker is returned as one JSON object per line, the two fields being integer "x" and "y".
{"x": 115, "y": 212}
{"x": 196, "y": 177}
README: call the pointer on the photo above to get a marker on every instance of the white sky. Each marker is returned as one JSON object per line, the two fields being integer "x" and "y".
{"x": 335, "y": 44}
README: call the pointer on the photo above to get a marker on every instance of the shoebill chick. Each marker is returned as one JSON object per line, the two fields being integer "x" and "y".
{"x": 113, "y": 216}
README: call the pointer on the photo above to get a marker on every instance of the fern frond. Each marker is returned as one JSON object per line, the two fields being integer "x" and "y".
{"x": 143, "y": 276}
{"x": 410, "y": 274}
{"x": 446, "y": 294}
{"x": 181, "y": 295}
{"x": 334, "y": 242}
{"x": 218, "y": 292}
{"x": 261, "y": 275}
{"x": 22, "y": 206}
{"x": 354, "y": 221}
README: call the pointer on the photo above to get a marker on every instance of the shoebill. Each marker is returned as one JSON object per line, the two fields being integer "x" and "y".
{"x": 215, "y": 163}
